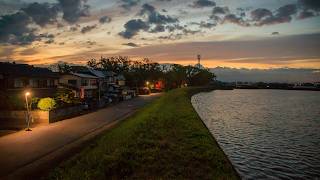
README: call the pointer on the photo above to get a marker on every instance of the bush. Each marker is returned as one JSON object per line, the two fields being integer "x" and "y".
{"x": 47, "y": 104}
{"x": 66, "y": 97}
{"x": 34, "y": 102}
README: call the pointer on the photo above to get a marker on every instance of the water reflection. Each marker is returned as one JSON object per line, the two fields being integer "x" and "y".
{"x": 267, "y": 134}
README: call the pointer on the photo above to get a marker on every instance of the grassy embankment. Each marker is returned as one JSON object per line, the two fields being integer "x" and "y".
{"x": 166, "y": 139}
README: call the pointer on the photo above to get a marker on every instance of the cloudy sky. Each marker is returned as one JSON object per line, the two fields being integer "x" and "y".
{"x": 230, "y": 33}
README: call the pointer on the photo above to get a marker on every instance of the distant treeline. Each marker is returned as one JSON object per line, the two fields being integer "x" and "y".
{"x": 137, "y": 72}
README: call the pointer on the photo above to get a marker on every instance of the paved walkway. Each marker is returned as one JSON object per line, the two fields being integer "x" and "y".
{"x": 22, "y": 152}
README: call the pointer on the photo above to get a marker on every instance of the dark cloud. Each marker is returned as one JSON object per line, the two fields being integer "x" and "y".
{"x": 218, "y": 13}
{"x": 128, "y": 4}
{"x": 154, "y": 17}
{"x": 306, "y": 14}
{"x": 260, "y": 13}
{"x": 152, "y": 21}
{"x": 171, "y": 37}
{"x": 49, "y": 41}
{"x": 189, "y": 31}
{"x": 177, "y": 31}
{"x": 131, "y": 44}
{"x": 42, "y": 14}
{"x": 232, "y": 18}
{"x": 202, "y": 3}
{"x": 73, "y": 9}
{"x": 204, "y": 24}
{"x": 19, "y": 28}
{"x": 275, "y": 33}
{"x": 14, "y": 29}
{"x": 46, "y": 35}
{"x": 220, "y": 10}
{"x": 282, "y": 15}
{"x": 10, "y": 6}
{"x": 88, "y": 28}
{"x": 158, "y": 28}
{"x": 310, "y": 4}
{"x": 105, "y": 19}
{"x": 132, "y": 27}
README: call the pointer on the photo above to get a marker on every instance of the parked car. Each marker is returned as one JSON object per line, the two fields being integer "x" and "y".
{"x": 144, "y": 91}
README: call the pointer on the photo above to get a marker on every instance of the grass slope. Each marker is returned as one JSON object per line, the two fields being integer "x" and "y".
{"x": 164, "y": 140}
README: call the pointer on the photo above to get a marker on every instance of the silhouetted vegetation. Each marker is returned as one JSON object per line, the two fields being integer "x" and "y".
{"x": 139, "y": 71}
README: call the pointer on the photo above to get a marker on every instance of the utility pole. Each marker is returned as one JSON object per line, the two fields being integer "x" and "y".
{"x": 199, "y": 59}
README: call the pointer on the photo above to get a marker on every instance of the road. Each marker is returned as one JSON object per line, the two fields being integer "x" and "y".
{"x": 28, "y": 154}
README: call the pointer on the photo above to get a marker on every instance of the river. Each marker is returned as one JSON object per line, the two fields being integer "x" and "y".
{"x": 267, "y": 134}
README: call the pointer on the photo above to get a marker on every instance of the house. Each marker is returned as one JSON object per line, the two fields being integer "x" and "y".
{"x": 110, "y": 77}
{"x": 17, "y": 78}
{"x": 121, "y": 80}
{"x": 105, "y": 78}
{"x": 83, "y": 85}
{"x": 110, "y": 84}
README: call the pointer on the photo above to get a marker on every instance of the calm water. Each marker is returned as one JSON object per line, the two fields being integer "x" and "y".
{"x": 267, "y": 134}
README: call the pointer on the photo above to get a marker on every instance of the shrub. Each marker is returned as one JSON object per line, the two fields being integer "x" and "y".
{"x": 66, "y": 97}
{"x": 34, "y": 102}
{"x": 47, "y": 104}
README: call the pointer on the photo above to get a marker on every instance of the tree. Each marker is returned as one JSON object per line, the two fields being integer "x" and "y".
{"x": 138, "y": 72}
{"x": 64, "y": 68}
{"x": 93, "y": 63}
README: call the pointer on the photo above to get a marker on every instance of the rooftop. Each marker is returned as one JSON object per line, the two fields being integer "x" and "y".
{"x": 16, "y": 70}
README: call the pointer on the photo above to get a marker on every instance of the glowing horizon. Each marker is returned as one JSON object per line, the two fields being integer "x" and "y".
{"x": 251, "y": 34}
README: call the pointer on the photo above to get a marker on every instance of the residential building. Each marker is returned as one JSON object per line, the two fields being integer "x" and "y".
{"x": 121, "y": 80}
{"x": 83, "y": 85}
{"x": 16, "y": 78}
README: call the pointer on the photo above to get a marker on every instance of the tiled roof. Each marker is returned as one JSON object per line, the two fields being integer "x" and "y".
{"x": 84, "y": 75}
{"x": 97, "y": 73}
{"x": 18, "y": 70}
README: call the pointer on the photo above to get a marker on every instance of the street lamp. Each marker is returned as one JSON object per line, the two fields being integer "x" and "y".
{"x": 28, "y": 113}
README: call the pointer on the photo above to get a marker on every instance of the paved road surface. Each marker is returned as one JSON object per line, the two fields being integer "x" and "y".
{"x": 25, "y": 153}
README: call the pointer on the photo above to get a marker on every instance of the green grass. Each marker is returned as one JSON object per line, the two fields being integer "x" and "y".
{"x": 164, "y": 140}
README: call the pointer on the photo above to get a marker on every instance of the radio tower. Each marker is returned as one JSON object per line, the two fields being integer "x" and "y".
{"x": 199, "y": 58}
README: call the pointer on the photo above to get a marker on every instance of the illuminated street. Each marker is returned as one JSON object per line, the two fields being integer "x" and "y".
{"x": 35, "y": 151}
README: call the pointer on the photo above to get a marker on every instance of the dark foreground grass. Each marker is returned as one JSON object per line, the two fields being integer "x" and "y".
{"x": 165, "y": 140}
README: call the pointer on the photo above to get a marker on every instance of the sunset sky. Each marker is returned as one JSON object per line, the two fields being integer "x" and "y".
{"x": 232, "y": 33}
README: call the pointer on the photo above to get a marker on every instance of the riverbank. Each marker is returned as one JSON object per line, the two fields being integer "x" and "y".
{"x": 166, "y": 139}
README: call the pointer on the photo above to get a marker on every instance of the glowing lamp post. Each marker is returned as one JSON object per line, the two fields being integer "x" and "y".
{"x": 28, "y": 113}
